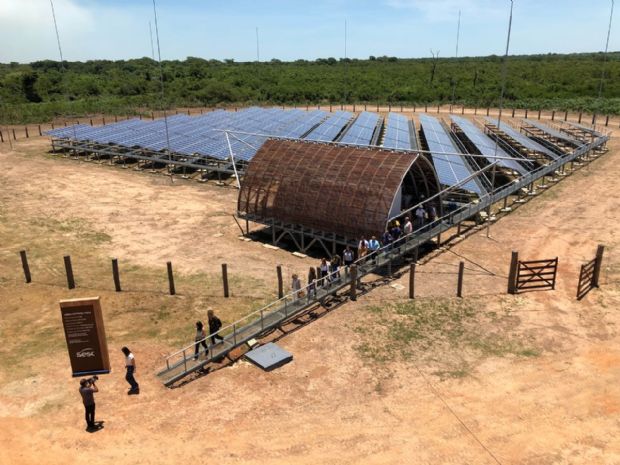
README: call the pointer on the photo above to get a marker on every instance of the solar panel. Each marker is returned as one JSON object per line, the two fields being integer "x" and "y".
{"x": 362, "y": 129}
{"x": 552, "y": 132}
{"x": 451, "y": 169}
{"x": 329, "y": 129}
{"x": 397, "y": 132}
{"x": 584, "y": 128}
{"x": 487, "y": 146}
{"x": 522, "y": 138}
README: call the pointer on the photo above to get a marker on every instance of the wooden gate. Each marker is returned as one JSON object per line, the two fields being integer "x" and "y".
{"x": 589, "y": 274}
{"x": 532, "y": 275}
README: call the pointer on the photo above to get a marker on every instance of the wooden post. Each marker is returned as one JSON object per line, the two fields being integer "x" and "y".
{"x": 512, "y": 273}
{"x": 116, "y": 275}
{"x": 22, "y": 254}
{"x": 353, "y": 290}
{"x": 597, "y": 265}
{"x": 26, "y": 131}
{"x": 565, "y": 115}
{"x": 91, "y": 121}
{"x": 412, "y": 281}
{"x": 116, "y": 118}
{"x": 475, "y": 110}
{"x": 14, "y": 138}
{"x": 459, "y": 285}
{"x": 488, "y": 109}
{"x": 580, "y": 116}
{"x": 1, "y": 137}
{"x": 553, "y": 115}
{"x": 69, "y": 270}
{"x": 607, "y": 120}
{"x": 170, "y": 278}
{"x": 40, "y": 133}
{"x": 539, "y": 114}
{"x": 526, "y": 112}
{"x": 225, "y": 279}
{"x": 280, "y": 285}
{"x": 513, "y": 112}
{"x": 425, "y": 108}
{"x": 103, "y": 120}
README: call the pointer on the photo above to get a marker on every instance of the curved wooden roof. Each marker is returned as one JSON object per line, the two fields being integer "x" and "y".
{"x": 344, "y": 190}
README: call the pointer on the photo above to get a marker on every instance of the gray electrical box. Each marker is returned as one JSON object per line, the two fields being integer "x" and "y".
{"x": 269, "y": 356}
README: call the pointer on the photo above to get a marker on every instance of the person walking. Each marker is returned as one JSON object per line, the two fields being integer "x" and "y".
{"x": 347, "y": 256}
{"x": 214, "y": 326}
{"x": 420, "y": 215}
{"x": 362, "y": 247}
{"x": 296, "y": 286}
{"x": 335, "y": 267}
{"x": 324, "y": 270}
{"x": 311, "y": 283}
{"x": 87, "y": 391}
{"x": 407, "y": 227}
{"x": 130, "y": 366}
{"x": 200, "y": 339}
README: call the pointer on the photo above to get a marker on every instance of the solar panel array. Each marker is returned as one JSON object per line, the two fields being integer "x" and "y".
{"x": 397, "y": 132}
{"x": 552, "y": 132}
{"x": 329, "y": 129}
{"x": 587, "y": 129}
{"x": 201, "y": 136}
{"x": 362, "y": 129}
{"x": 522, "y": 138}
{"x": 451, "y": 169}
{"x": 487, "y": 146}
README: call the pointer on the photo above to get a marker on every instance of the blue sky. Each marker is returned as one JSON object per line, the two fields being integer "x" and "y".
{"x": 291, "y": 29}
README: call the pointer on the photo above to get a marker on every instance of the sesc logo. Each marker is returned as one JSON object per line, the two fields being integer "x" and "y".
{"x": 84, "y": 353}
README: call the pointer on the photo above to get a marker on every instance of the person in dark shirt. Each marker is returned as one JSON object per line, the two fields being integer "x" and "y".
{"x": 214, "y": 326}
{"x": 87, "y": 391}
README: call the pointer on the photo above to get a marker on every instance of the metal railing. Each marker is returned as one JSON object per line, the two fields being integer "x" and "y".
{"x": 278, "y": 311}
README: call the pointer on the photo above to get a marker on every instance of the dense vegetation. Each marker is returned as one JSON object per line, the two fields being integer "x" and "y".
{"x": 40, "y": 90}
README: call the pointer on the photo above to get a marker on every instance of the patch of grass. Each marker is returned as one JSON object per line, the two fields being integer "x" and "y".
{"x": 452, "y": 334}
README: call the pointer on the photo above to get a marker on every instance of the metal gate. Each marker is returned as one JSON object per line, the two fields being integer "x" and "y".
{"x": 536, "y": 275}
{"x": 589, "y": 274}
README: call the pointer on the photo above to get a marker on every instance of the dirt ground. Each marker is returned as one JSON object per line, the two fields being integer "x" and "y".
{"x": 491, "y": 378}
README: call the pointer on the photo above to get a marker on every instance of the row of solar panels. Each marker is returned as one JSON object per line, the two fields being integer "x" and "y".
{"x": 454, "y": 168}
{"x": 204, "y": 136}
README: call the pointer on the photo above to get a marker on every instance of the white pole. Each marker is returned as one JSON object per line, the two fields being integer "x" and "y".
{"x": 232, "y": 159}
{"x": 161, "y": 79}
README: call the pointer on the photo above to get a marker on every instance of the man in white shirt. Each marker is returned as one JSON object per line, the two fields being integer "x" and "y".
{"x": 407, "y": 227}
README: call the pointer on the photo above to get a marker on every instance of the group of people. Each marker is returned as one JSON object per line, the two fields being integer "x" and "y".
{"x": 201, "y": 336}
{"x": 328, "y": 270}
{"x": 88, "y": 388}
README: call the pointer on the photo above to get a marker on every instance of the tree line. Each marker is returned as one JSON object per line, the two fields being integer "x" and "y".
{"x": 38, "y": 91}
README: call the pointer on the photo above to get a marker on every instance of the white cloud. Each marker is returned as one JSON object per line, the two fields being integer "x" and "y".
{"x": 448, "y": 10}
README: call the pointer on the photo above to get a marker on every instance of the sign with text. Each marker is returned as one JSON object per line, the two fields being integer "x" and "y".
{"x": 85, "y": 336}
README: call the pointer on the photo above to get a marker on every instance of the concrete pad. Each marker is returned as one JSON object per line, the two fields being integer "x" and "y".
{"x": 272, "y": 247}
{"x": 300, "y": 255}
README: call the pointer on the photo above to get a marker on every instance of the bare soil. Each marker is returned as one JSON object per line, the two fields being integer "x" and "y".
{"x": 491, "y": 378}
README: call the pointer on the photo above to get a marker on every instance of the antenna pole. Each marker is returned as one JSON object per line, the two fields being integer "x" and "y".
{"x": 161, "y": 79}
{"x": 257, "y": 47}
{"x": 346, "y": 66}
{"x": 611, "y": 16}
{"x": 458, "y": 33}
{"x": 152, "y": 48}
{"x": 501, "y": 107}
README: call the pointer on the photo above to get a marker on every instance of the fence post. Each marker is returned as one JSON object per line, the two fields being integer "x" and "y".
{"x": 280, "y": 286}
{"x": 69, "y": 270}
{"x": 580, "y": 116}
{"x": 607, "y": 120}
{"x": 539, "y": 111}
{"x": 225, "y": 279}
{"x": 459, "y": 286}
{"x": 115, "y": 275}
{"x": 40, "y": 133}
{"x": 526, "y": 111}
{"x": 1, "y": 137}
{"x": 553, "y": 115}
{"x": 14, "y": 138}
{"x": 353, "y": 290}
{"x": 412, "y": 281}
{"x": 512, "y": 274}
{"x": 513, "y": 112}
{"x": 593, "y": 119}
{"x": 22, "y": 254}
{"x": 488, "y": 109}
{"x": 103, "y": 120}
{"x": 170, "y": 278}
{"x": 597, "y": 265}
